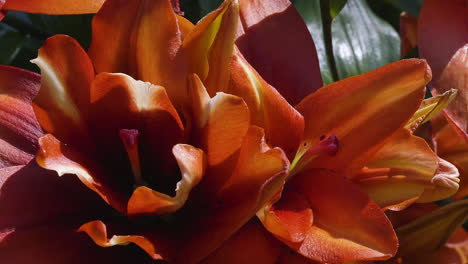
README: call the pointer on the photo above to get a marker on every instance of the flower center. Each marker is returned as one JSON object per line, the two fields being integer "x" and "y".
{"x": 328, "y": 145}
{"x": 129, "y": 138}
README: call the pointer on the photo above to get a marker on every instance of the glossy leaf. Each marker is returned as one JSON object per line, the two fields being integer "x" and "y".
{"x": 362, "y": 41}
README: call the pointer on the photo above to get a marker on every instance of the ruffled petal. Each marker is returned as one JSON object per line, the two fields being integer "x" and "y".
{"x": 55, "y": 7}
{"x": 19, "y": 128}
{"x": 63, "y": 100}
{"x": 362, "y": 112}
{"x": 216, "y": 212}
{"x": 347, "y": 226}
{"x": 210, "y": 45}
{"x": 147, "y": 201}
{"x": 58, "y": 244}
{"x": 98, "y": 232}
{"x": 399, "y": 172}
{"x": 285, "y": 58}
{"x": 448, "y": 58}
{"x": 268, "y": 109}
{"x": 140, "y": 38}
{"x": 54, "y": 155}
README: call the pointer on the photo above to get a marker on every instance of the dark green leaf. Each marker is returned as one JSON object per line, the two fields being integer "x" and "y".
{"x": 410, "y": 6}
{"x": 362, "y": 41}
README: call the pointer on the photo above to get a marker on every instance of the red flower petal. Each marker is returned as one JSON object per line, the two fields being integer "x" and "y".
{"x": 18, "y": 126}
{"x": 63, "y": 100}
{"x": 59, "y": 244}
{"x": 449, "y": 58}
{"x": 285, "y": 58}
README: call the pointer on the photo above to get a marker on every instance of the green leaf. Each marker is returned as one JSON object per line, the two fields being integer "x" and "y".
{"x": 362, "y": 41}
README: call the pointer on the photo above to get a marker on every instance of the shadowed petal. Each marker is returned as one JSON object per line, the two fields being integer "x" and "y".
{"x": 285, "y": 58}
{"x": 61, "y": 243}
{"x": 218, "y": 211}
{"x": 449, "y": 58}
{"x": 362, "y": 112}
{"x": 19, "y": 129}
{"x": 54, "y": 155}
{"x": 62, "y": 103}
{"x": 30, "y": 196}
{"x": 54, "y": 7}
{"x": 283, "y": 125}
{"x": 359, "y": 230}
{"x": 147, "y": 201}
{"x": 251, "y": 244}
{"x": 120, "y": 102}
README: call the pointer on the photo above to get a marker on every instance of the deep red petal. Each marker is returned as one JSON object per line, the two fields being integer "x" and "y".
{"x": 30, "y": 195}
{"x": 284, "y": 57}
{"x": 59, "y": 244}
{"x": 19, "y": 129}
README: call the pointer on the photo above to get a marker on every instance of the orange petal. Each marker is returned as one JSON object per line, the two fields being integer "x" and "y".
{"x": 453, "y": 148}
{"x": 268, "y": 109}
{"x": 290, "y": 218}
{"x": 140, "y": 38}
{"x": 362, "y": 111}
{"x": 347, "y": 225}
{"x": 448, "y": 58}
{"x": 398, "y": 172}
{"x": 221, "y": 210}
{"x": 63, "y": 100}
{"x": 285, "y": 58}
{"x": 54, "y": 7}
{"x": 408, "y": 33}
{"x": 251, "y": 244}
{"x": 98, "y": 232}
{"x": 146, "y": 201}
{"x": 54, "y": 155}
{"x": 210, "y": 46}
{"x": 221, "y": 121}
{"x": 144, "y": 107}
{"x": 19, "y": 128}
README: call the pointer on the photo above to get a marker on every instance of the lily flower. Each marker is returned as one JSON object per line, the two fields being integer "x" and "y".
{"x": 180, "y": 144}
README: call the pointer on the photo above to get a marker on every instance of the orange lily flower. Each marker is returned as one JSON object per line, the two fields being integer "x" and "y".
{"x": 180, "y": 143}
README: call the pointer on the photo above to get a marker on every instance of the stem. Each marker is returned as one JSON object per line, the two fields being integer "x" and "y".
{"x": 327, "y": 37}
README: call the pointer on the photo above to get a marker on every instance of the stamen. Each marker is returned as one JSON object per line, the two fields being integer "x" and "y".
{"x": 328, "y": 145}
{"x": 129, "y": 138}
